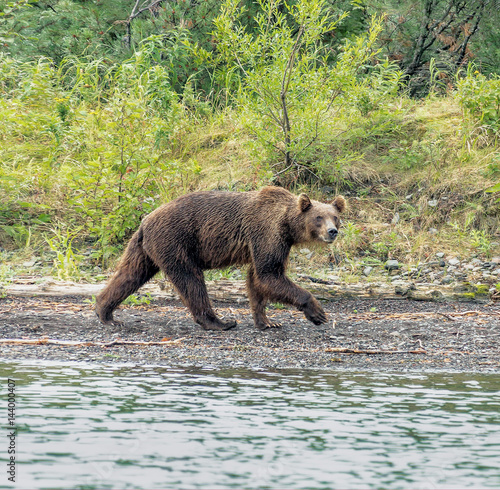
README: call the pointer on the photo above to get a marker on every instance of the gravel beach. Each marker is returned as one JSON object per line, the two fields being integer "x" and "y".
{"x": 361, "y": 334}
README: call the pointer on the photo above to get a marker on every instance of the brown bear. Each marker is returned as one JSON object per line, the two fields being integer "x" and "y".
{"x": 210, "y": 230}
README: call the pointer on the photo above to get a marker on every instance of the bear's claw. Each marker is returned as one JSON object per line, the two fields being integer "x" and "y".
{"x": 314, "y": 313}
{"x": 267, "y": 325}
{"x": 111, "y": 322}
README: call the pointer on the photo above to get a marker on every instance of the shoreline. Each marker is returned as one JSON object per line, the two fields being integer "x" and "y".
{"x": 362, "y": 334}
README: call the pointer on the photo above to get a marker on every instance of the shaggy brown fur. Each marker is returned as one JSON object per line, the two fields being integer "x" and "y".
{"x": 210, "y": 230}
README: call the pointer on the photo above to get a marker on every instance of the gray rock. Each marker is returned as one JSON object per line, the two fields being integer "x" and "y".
{"x": 391, "y": 265}
{"x": 432, "y": 231}
{"x": 440, "y": 255}
{"x": 447, "y": 279}
{"x": 367, "y": 270}
{"x": 433, "y": 203}
{"x": 454, "y": 261}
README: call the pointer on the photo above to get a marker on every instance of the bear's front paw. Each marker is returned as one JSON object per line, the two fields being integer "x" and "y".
{"x": 314, "y": 313}
{"x": 217, "y": 324}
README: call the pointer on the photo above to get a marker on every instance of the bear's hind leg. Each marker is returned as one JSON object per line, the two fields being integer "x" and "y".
{"x": 258, "y": 303}
{"x": 126, "y": 281}
{"x": 190, "y": 284}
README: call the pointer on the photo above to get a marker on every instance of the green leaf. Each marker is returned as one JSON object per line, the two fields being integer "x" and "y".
{"x": 494, "y": 188}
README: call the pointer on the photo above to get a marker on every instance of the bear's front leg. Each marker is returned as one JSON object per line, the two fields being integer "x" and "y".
{"x": 280, "y": 288}
{"x": 313, "y": 311}
{"x": 272, "y": 283}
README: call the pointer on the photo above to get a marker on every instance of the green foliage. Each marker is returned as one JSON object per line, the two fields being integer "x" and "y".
{"x": 66, "y": 260}
{"x": 290, "y": 90}
{"x": 480, "y": 240}
{"x": 352, "y": 236}
{"x": 138, "y": 299}
{"x": 479, "y": 98}
{"x": 98, "y": 136}
{"x": 62, "y": 28}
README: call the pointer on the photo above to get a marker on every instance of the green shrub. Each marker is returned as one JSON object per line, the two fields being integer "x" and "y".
{"x": 479, "y": 98}
{"x": 88, "y": 142}
{"x": 292, "y": 91}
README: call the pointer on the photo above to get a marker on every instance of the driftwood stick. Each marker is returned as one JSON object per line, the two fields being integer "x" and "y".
{"x": 343, "y": 350}
{"x": 84, "y": 343}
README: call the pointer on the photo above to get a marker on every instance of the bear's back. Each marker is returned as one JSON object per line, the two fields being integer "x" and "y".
{"x": 208, "y": 227}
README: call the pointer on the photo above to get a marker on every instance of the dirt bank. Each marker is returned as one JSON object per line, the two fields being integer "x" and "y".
{"x": 374, "y": 334}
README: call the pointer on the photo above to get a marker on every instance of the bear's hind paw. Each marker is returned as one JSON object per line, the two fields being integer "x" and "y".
{"x": 112, "y": 323}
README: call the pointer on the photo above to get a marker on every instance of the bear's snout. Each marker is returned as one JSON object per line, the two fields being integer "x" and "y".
{"x": 332, "y": 233}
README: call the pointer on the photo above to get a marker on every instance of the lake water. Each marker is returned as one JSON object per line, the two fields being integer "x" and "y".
{"x": 103, "y": 426}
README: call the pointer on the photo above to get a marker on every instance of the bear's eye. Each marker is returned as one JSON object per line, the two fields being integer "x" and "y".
{"x": 319, "y": 219}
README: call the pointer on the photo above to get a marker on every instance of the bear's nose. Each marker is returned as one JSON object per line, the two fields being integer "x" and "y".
{"x": 332, "y": 233}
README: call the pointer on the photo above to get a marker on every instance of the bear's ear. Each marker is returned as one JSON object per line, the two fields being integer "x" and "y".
{"x": 304, "y": 202}
{"x": 339, "y": 203}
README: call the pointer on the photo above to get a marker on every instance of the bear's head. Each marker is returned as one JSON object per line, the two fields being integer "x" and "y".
{"x": 322, "y": 221}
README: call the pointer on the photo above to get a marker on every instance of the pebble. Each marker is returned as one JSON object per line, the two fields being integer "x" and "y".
{"x": 447, "y": 279}
{"x": 454, "y": 261}
{"x": 367, "y": 270}
{"x": 440, "y": 255}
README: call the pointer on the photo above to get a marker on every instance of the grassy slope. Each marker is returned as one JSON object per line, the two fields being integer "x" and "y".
{"x": 415, "y": 185}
